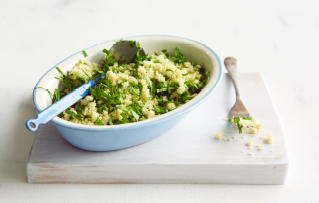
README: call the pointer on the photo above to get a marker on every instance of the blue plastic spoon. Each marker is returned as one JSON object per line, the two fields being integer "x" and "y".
{"x": 126, "y": 50}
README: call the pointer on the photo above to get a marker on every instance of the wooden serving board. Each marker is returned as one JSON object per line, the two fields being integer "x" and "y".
{"x": 188, "y": 153}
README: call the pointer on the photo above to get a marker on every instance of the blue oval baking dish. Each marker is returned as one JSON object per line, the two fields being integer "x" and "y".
{"x": 107, "y": 138}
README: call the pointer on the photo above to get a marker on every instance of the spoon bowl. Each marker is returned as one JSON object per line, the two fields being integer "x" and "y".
{"x": 124, "y": 51}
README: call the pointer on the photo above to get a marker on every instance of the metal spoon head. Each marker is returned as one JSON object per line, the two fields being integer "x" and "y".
{"x": 125, "y": 51}
{"x": 230, "y": 60}
{"x": 231, "y": 64}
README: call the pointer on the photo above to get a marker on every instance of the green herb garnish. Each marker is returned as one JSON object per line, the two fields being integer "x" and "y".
{"x": 86, "y": 74}
{"x": 98, "y": 121}
{"x": 124, "y": 120}
{"x": 84, "y": 53}
{"x": 75, "y": 115}
{"x": 110, "y": 61}
{"x": 124, "y": 68}
{"x": 55, "y": 96}
{"x": 236, "y": 121}
{"x": 207, "y": 74}
{"x": 134, "y": 114}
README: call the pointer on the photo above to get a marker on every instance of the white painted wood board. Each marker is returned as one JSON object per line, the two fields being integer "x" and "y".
{"x": 188, "y": 153}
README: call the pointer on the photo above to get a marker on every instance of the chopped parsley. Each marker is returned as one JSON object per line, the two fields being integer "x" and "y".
{"x": 75, "y": 115}
{"x": 86, "y": 74}
{"x": 110, "y": 60}
{"x": 124, "y": 68}
{"x": 236, "y": 121}
{"x": 84, "y": 54}
{"x": 207, "y": 74}
{"x": 98, "y": 121}
{"x": 124, "y": 120}
{"x": 55, "y": 96}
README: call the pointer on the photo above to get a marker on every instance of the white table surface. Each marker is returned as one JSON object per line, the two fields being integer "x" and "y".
{"x": 277, "y": 38}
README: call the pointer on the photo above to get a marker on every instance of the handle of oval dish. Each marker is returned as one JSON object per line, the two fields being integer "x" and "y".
{"x": 58, "y": 107}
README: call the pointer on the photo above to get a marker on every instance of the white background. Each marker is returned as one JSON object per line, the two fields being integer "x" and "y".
{"x": 278, "y": 38}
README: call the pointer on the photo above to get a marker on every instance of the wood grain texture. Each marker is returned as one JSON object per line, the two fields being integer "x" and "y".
{"x": 188, "y": 153}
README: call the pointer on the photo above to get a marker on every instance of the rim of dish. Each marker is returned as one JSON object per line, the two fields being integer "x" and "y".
{"x": 138, "y": 124}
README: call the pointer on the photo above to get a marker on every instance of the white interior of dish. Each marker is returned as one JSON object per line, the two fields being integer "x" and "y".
{"x": 193, "y": 51}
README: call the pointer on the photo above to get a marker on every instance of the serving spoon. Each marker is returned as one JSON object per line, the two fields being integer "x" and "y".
{"x": 124, "y": 50}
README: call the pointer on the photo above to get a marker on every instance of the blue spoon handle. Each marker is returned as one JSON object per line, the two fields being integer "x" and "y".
{"x": 58, "y": 107}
